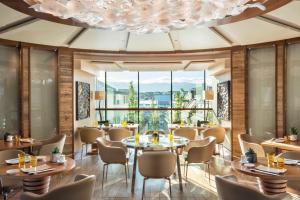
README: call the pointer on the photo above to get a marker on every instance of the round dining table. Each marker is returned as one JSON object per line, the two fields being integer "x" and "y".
{"x": 145, "y": 143}
{"x": 269, "y": 183}
{"x": 38, "y": 183}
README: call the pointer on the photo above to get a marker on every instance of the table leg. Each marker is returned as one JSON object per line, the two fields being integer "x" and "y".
{"x": 272, "y": 186}
{"x": 134, "y": 170}
{"x": 179, "y": 170}
{"x": 36, "y": 185}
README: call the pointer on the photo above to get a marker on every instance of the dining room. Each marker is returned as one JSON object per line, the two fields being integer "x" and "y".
{"x": 109, "y": 99}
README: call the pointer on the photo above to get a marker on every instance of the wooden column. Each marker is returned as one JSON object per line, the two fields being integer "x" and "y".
{"x": 238, "y": 96}
{"x": 65, "y": 97}
{"x": 25, "y": 91}
{"x": 280, "y": 89}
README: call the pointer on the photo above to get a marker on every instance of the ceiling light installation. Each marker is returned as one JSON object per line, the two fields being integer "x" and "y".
{"x": 143, "y": 16}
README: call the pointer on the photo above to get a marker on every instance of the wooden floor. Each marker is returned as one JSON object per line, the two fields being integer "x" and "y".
{"x": 196, "y": 187}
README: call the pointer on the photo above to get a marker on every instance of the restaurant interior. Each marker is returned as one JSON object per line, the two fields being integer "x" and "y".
{"x": 144, "y": 99}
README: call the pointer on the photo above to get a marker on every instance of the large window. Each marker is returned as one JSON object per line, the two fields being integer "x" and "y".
{"x": 153, "y": 98}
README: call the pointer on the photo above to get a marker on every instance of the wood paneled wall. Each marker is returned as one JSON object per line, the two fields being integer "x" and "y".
{"x": 65, "y": 97}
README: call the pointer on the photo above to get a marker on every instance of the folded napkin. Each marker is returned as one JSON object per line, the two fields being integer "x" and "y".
{"x": 26, "y": 140}
{"x": 291, "y": 162}
{"x": 270, "y": 169}
{"x": 35, "y": 169}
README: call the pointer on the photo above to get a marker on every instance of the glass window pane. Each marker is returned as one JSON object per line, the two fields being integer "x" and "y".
{"x": 155, "y": 89}
{"x": 154, "y": 120}
{"x": 117, "y": 116}
{"x": 261, "y": 92}
{"x": 293, "y": 82}
{"x": 9, "y": 88}
{"x": 100, "y": 86}
{"x": 43, "y": 93}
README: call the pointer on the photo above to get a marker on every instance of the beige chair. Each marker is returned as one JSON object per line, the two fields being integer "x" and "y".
{"x": 230, "y": 189}
{"x": 49, "y": 145}
{"x": 111, "y": 154}
{"x": 118, "y": 134}
{"x": 8, "y": 184}
{"x": 246, "y": 141}
{"x": 186, "y": 132}
{"x": 219, "y": 133}
{"x": 88, "y": 135}
{"x": 82, "y": 188}
{"x": 157, "y": 165}
{"x": 293, "y": 186}
{"x": 200, "y": 151}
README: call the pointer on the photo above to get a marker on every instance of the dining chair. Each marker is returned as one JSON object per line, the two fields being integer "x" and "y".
{"x": 88, "y": 135}
{"x": 7, "y": 184}
{"x": 157, "y": 165}
{"x": 229, "y": 188}
{"x": 246, "y": 142}
{"x": 293, "y": 186}
{"x": 82, "y": 188}
{"x": 49, "y": 145}
{"x": 118, "y": 134}
{"x": 219, "y": 133}
{"x": 111, "y": 154}
{"x": 200, "y": 151}
{"x": 186, "y": 132}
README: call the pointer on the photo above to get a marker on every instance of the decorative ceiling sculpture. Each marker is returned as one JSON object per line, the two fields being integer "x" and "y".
{"x": 143, "y": 16}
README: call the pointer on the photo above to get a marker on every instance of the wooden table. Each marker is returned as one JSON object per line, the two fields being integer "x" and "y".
{"x": 269, "y": 184}
{"x": 164, "y": 142}
{"x": 289, "y": 146}
{"x": 21, "y": 145}
{"x": 38, "y": 183}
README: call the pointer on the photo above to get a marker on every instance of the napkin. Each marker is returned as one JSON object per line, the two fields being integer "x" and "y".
{"x": 35, "y": 169}
{"x": 270, "y": 169}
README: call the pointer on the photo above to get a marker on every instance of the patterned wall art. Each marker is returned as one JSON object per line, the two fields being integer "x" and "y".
{"x": 82, "y": 100}
{"x": 223, "y": 95}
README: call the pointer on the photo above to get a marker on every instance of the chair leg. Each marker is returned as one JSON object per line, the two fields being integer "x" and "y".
{"x": 143, "y": 192}
{"x": 208, "y": 170}
{"x": 103, "y": 174}
{"x": 170, "y": 186}
{"x": 125, "y": 173}
{"x": 186, "y": 171}
{"x": 106, "y": 172}
{"x": 86, "y": 149}
{"x": 82, "y": 150}
{"x": 223, "y": 151}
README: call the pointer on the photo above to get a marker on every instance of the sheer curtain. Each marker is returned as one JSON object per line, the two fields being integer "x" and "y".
{"x": 9, "y": 90}
{"x": 261, "y": 92}
{"x": 43, "y": 93}
{"x": 293, "y": 83}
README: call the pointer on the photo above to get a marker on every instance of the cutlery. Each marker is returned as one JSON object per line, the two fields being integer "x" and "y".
{"x": 264, "y": 172}
{"x": 40, "y": 171}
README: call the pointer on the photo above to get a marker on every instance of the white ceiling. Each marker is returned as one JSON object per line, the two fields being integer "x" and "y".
{"x": 241, "y": 33}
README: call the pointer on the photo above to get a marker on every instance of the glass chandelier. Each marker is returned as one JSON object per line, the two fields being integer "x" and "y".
{"x": 143, "y": 16}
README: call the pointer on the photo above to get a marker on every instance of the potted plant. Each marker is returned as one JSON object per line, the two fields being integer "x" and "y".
{"x": 55, "y": 155}
{"x": 251, "y": 156}
{"x": 293, "y": 134}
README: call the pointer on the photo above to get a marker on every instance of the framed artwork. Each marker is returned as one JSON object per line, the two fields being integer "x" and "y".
{"x": 223, "y": 97}
{"x": 82, "y": 100}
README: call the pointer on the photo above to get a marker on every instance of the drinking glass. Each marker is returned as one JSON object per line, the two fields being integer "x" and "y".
{"x": 280, "y": 162}
{"x": 17, "y": 138}
{"x": 270, "y": 158}
{"x": 137, "y": 138}
{"x": 33, "y": 161}
{"x": 21, "y": 157}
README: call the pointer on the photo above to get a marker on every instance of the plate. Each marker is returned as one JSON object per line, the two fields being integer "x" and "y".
{"x": 279, "y": 140}
{"x": 12, "y": 171}
{"x": 15, "y": 161}
{"x": 249, "y": 165}
{"x": 291, "y": 162}
{"x": 61, "y": 162}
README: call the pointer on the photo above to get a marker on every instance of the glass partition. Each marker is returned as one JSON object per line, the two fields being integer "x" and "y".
{"x": 261, "y": 92}
{"x": 43, "y": 93}
{"x": 293, "y": 82}
{"x": 9, "y": 90}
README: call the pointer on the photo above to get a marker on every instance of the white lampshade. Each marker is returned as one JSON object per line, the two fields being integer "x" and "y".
{"x": 99, "y": 95}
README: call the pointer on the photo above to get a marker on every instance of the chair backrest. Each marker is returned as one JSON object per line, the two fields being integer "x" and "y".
{"x": 232, "y": 190}
{"x": 89, "y": 135}
{"x": 110, "y": 154}
{"x": 186, "y": 132}
{"x": 82, "y": 188}
{"x": 157, "y": 164}
{"x": 218, "y": 132}
{"x": 48, "y": 145}
{"x": 118, "y": 134}
{"x": 246, "y": 141}
{"x": 202, "y": 152}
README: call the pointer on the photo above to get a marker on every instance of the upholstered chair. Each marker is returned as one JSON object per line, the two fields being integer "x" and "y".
{"x": 157, "y": 165}
{"x": 82, "y": 188}
{"x": 8, "y": 184}
{"x": 200, "y": 151}
{"x": 293, "y": 186}
{"x": 219, "y": 133}
{"x": 230, "y": 189}
{"x": 88, "y": 135}
{"x": 49, "y": 145}
{"x": 246, "y": 141}
{"x": 118, "y": 134}
{"x": 111, "y": 154}
{"x": 186, "y": 132}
